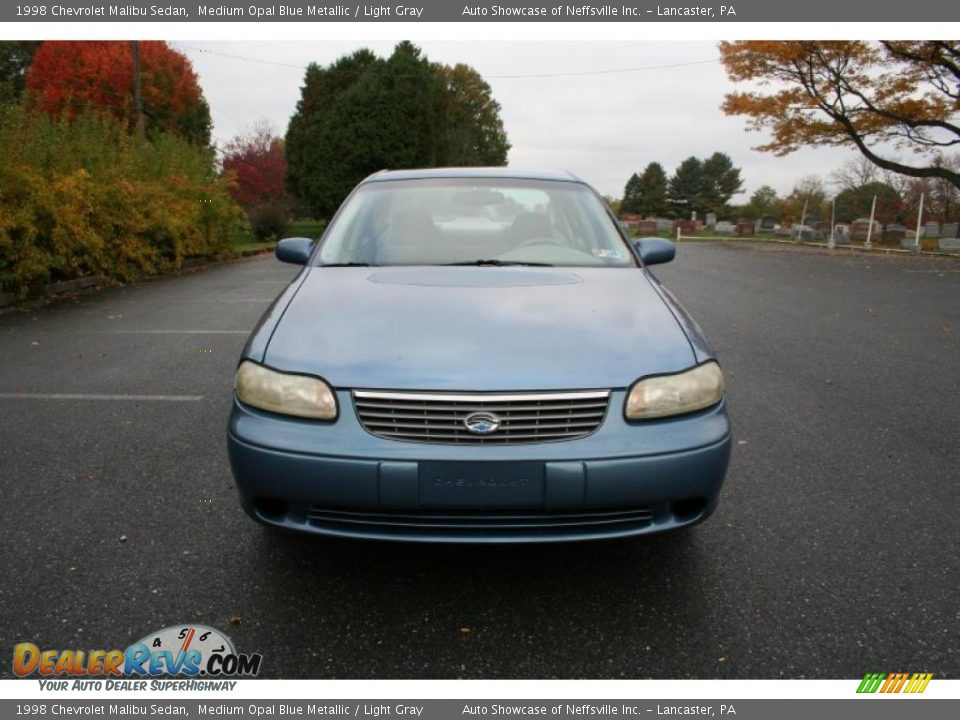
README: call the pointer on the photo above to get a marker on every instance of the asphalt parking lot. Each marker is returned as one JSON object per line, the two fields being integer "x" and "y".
{"x": 834, "y": 551}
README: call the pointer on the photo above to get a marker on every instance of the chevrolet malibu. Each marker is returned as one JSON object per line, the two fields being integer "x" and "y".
{"x": 477, "y": 355}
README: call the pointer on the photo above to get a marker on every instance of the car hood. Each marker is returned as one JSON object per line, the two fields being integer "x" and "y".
{"x": 478, "y": 328}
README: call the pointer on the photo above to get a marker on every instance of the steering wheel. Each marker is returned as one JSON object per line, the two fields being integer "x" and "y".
{"x": 540, "y": 241}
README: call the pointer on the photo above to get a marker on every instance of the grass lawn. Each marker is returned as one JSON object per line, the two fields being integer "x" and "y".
{"x": 707, "y": 235}
{"x": 306, "y": 228}
{"x": 238, "y": 248}
{"x": 244, "y": 240}
{"x": 926, "y": 244}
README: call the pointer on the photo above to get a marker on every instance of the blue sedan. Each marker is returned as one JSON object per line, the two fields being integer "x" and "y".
{"x": 477, "y": 355}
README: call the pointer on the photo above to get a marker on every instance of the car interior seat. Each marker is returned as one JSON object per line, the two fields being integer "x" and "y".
{"x": 529, "y": 225}
{"x": 409, "y": 239}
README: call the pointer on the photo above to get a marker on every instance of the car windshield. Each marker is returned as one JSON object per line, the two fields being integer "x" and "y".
{"x": 467, "y": 221}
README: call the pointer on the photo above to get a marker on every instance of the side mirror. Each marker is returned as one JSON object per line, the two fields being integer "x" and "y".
{"x": 654, "y": 250}
{"x": 294, "y": 250}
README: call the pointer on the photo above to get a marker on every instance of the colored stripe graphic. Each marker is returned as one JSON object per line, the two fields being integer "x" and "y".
{"x": 870, "y": 683}
{"x": 894, "y": 682}
{"x": 919, "y": 682}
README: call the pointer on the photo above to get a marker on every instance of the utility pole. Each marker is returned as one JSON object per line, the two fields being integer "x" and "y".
{"x": 873, "y": 211}
{"x": 916, "y": 240}
{"x": 832, "y": 242}
{"x": 137, "y": 94}
{"x": 803, "y": 221}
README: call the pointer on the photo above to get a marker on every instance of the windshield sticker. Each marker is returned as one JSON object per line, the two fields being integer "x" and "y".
{"x": 605, "y": 253}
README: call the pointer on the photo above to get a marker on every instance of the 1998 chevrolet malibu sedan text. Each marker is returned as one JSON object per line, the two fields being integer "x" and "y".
{"x": 477, "y": 355}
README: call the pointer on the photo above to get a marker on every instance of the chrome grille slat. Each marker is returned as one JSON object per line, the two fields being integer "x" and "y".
{"x": 478, "y": 404}
{"x": 505, "y": 427}
{"x": 465, "y": 438}
{"x": 439, "y": 417}
{"x": 547, "y": 415}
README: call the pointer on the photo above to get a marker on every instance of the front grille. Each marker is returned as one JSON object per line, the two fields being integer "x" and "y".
{"x": 480, "y": 524}
{"x": 441, "y": 417}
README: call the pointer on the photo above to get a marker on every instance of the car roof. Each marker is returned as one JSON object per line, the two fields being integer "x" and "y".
{"x": 473, "y": 172}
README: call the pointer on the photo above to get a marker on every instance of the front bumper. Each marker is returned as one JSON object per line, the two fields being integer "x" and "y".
{"x": 338, "y": 479}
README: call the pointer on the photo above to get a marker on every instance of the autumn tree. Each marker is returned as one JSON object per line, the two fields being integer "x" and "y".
{"x": 808, "y": 193}
{"x": 854, "y": 173}
{"x": 472, "y": 130}
{"x": 882, "y": 98}
{"x": 256, "y": 166}
{"x": 364, "y": 113}
{"x": 941, "y": 199}
{"x": 855, "y": 203}
{"x": 71, "y": 77}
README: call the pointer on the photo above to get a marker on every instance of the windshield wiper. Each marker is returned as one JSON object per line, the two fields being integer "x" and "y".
{"x": 500, "y": 263}
{"x": 347, "y": 264}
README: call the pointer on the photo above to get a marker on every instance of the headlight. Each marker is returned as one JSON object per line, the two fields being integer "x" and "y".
{"x": 667, "y": 395}
{"x": 286, "y": 394}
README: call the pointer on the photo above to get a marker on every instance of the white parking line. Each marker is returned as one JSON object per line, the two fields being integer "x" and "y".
{"x": 158, "y": 332}
{"x": 82, "y": 396}
{"x": 34, "y": 331}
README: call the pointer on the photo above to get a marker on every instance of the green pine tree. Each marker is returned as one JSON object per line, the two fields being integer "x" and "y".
{"x": 363, "y": 114}
{"x": 652, "y": 191}
{"x": 687, "y": 189}
{"x": 721, "y": 182}
{"x": 631, "y": 196}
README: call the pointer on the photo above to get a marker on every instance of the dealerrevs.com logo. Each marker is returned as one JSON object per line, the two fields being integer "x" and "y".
{"x": 894, "y": 683}
{"x": 184, "y": 651}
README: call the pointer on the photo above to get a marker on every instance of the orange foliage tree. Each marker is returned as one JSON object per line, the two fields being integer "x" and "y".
{"x": 882, "y": 98}
{"x": 70, "y": 77}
